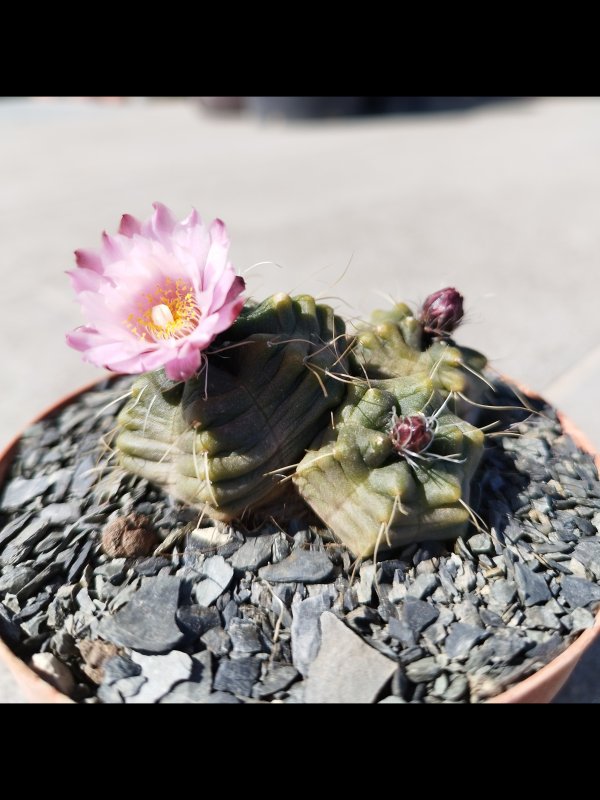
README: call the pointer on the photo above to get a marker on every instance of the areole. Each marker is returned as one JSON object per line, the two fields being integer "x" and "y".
{"x": 540, "y": 687}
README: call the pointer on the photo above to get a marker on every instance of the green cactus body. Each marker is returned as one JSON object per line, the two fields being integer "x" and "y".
{"x": 372, "y": 497}
{"x": 269, "y": 385}
{"x": 394, "y": 346}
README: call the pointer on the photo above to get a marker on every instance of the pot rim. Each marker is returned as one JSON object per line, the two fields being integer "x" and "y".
{"x": 544, "y": 684}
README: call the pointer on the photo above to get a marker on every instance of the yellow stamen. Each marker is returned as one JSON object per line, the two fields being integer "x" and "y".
{"x": 169, "y": 312}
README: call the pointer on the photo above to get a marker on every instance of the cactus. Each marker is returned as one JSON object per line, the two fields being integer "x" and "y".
{"x": 374, "y": 492}
{"x": 395, "y": 344}
{"x": 267, "y": 390}
{"x": 395, "y": 466}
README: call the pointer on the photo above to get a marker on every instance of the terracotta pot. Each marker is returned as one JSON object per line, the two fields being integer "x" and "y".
{"x": 540, "y": 687}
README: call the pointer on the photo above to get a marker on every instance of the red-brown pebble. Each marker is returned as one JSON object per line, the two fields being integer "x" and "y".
{"x": 129, "y": 537}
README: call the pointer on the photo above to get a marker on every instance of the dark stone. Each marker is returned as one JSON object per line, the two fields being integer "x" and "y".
{"x": 237, "y": 676}
{"x": 20, "y": 547}
{"x": 362, "y": 617}
{"x": 217, "y": 641}
{"x": 196, "y": 620}
{"x": 12, "y": 528}
{"x": 578, "y": 593}
{"x": 490, "y": 619}
{"x": 587, "y": 552}
{"x": 548, "y": 649}
{"x": 151, "y": 566}
{"x": 38, "y": 582}
{"x": 423, "y": 670}
{"x": 147, "y": 622}
{"x": 84, "y": 477}
{"x": 531, "y": 586}
{"x": 18, "y": 492}
{"x": 418, "y": 614}
{"x": 277, "y": 680}
{"x": 422, "y": 586}
{"x": 501, "y": 647}
{"x": 410, "y": 654}
{"x": 308, "y": 566}
{"x": 79, "y": 563}
{"x": 15, "y": 578}
{"x": 229, "y": 611}
{"x": 400, "y": 630}
{"x": 60, "y": 513}
{"x": 119, "y": 667}
{"x": 461, "y": 639}
{"x": 255, "y": 552}
{"x": 244, "y": 636}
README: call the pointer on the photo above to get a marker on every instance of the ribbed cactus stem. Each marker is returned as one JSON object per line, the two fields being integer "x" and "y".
{"x": 267, "y": 390}
{"x": 373, "y": 494}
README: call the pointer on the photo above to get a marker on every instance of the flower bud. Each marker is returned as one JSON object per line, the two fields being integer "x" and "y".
{"x": 442, "y": 312}
{"x": 411, "y": 433}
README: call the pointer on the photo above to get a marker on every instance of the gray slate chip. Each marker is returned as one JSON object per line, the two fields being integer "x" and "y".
{"x": 20, "y": 547}
{"x": 237, "y": 676}
{"x": 253, "y": 553}
{"x": 12, "y": 528}
{"x": 277, "y": 679}
{"x": 461, "y": 639}
{"x": 15, "y": 578}
{"x": 196, "y": 620}
{"x": 161, "y": 673}
{"x": 20, "y": 491}
{"x": 531, "y": 586}
{"x": 422, "y": 586}
{"x": 119, "y": 667}
{"x": 244, "y": 636}
{"x": 217, "y": 641}
{"x": 418, "y": 614}
{"x": 147, "y": 622}
{"x": 218, "y": 574}
{"x": 346, "y": 669}
{"x": 307, "y": 566}
{"x": 306, "y": 631}
{"x": 423, "y": 670}
{"x": 578, "y": 592}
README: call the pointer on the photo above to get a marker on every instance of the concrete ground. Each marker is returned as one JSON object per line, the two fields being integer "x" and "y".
{"x": 502, "y": 202}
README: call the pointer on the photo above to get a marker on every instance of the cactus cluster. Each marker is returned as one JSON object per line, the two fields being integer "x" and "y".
{"x": 370, "y": 422}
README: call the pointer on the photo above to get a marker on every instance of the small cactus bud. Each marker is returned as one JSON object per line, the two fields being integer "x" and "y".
{"x": 411, "y": 433}
{"x": 442, "y": 311}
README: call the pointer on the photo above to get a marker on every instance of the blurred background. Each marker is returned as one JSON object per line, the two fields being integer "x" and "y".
{"x": 353, "y": 199}
{"x": 356, "y": 200}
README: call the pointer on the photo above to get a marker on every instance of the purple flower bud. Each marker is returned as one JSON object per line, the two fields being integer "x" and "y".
{"x": 442, "y": 312}
{"x": 411, "y": 433}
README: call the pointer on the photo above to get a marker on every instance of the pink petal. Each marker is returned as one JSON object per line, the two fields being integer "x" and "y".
{"x": 185, "y": 365}
{"x": 192, "y": 220}
{"x": 129, "y": 225}
{"x": 89, "y": 259}
{"x": 86, "y": 280}
{"x": 162, "y": 219}
{"x": 110, "y": 246}
{"x": 83, "y": 338}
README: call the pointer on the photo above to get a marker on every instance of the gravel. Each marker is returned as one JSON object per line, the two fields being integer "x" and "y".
{"x": 221, "y": 614}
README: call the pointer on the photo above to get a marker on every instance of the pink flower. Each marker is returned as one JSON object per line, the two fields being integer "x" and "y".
{"x": 156, "y": 294}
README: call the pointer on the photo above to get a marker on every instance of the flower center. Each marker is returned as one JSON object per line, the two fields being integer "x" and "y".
{"x": 169, "y": 312}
